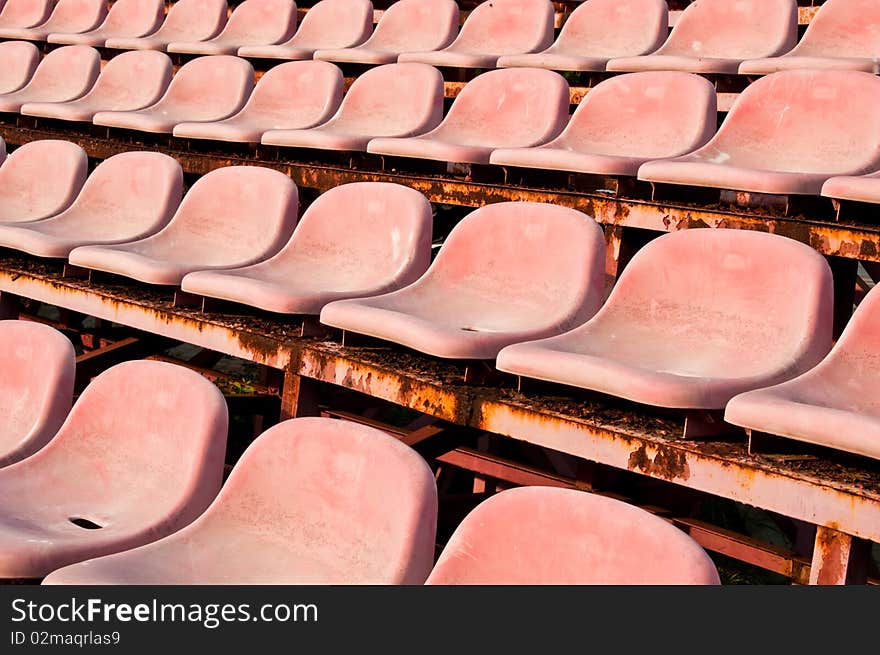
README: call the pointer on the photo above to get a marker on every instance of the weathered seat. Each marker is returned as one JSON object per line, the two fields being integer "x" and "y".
{"x": 18, "y": 61}
{"x": 494, "y": 28}
{"x": 187, "y": 21}
{"x": 293, "y": 95}
{"x": 389, "y": 100}
{"x": 787, "y": 133}
{"x": 64, "y": 74}
{"x": 128, "y": 196}
{"x": 129, "y": 81}
{"x": 231, "y": 217}
{"x": 328, "y": 24}
{"x": 159, "y": 424}
{"x": 832, "y": 404}
{"x": 355, "y": 240}
{"x": 37, "y": 369}
{"x": 126, "y": 18}
{"x": 600, "y": 30}
{"x": 696, "y": 317}
{"x": 204, "y": 89}
{"x": 843, "y": 35}
{"x": 40, "y": 179}
{"x": 25, "y": 13}
{"x": 406, "y": 26}
{"x": 551, "y": 536}
{"x": 861, "y": 188}
{"x": 339, "y": 503}
{"x": 253, "y": 22}
{"x": 510, "y": 108}
{"x": 624, "y": 122}
{"x": 716, "y": 36}
{"x": 68, "y": 17}
{"x": 506, "y": 273}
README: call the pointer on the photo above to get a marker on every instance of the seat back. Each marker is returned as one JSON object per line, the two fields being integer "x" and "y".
{"x": 507, "y": 27}
{"x": 210, "y": 87}
{"x": 134, "y": 17}
{"x": 308, "y": 90}
{"x": 40, "y": 179}
{"x": 335, "y": 24}
{"x": 194, "y": 20}
{"x": 416, "y": 26}
{"x": 18, "y": 61}
{"x": 65, "y": 72}
{"x": 615, "y": 28}
{"x": 25, "y": 13}
{"x": 132, "y": 80}
{"x": 75, "y": 16}
{"x": 258, "y": 22}
{"x": 843, "y": 28}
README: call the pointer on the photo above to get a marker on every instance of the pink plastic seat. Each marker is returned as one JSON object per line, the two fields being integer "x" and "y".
{"x": 506, "y": 273}
{"x": 25, "y": 13}
{"x": 126, "y": 18}
{"x": 187, "y": 20}
{"x": 231, "y": 217}
{"x": 494, "y": 28}
{"x": 139, "y": 457}
{"x": 861, "y": 188}
{"x": 624, "y": 122}
{"x": 786, "y": 133}
{"x": 389, "y": 100}
{"x": 512, "y": 108}
{"x": 253, "y": 22}
{"x": 204, "y": 89}
{"x": 697, "y": 317}
{"x": 715, "y": 36}
{"x": 328, "y": 24}
{"x": 551, "y": 536}
{"x": 128, "y": 196}
{"x": 40, "y": 179}
{"x": 599, "y": 30}
{"x": 129, "y": 81}
{"x": 843, "y": 35}
{"x": 337, "y": 503}
{"x": 68, "y": 17}
{"x": 355, "y": 240}
{"x": 18, "y": 61}
{"x": 37, "y": 369}
{"x": 406, "y": 26}
{"x": 831, "y": 405}
{"x": 64, "y": 74}
{"x": 293, "y": 95}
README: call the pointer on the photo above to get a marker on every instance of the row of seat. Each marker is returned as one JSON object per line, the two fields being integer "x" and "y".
{"x": 311, "y": 501}
{"x": 711, "y": 36}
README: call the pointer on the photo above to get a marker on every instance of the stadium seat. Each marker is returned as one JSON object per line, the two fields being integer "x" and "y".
{"x": 328, "y": 24}
{"x": 204, "y": 89}
{"x": 831, "y": 405}
{"x": 715, "y": 36}
{"x": 25, "y": 13}
{"x": 552, "y": 536}
{"x": 37, "y": 369}
{"x": 129, "y": 81}
{"x": 293, "y": 95}
{"x": 508, "y": 272}
{"x": 624, "y": 122}
{"x": 126, "y": 18}
{"x": 253, "y": 22}
{"x": 860, "y": 188}
{"x": 494, "y": 28}
{"x": 187, "y": 21}
{"x": 696, "y": 317}
{"x": 68, "y": 17}
{"x": 787, "y": 133}
{"x": 128, "y": 196}
{"x": 64, "y": 74}
{"x": 406, "y": 26}
{"x": 231, "y": 217}
{"x": 18, "y": 61}
{"x": 512, "y": 108}
{"x": 389, "y": 100}
{"x": 40, "y": 179}
{"x": 139, "y": 457}
{"x": 599, "y": 30}
{"x": 843, "y": 35}
{"x": 355, "y": 240}
{"x": 337, "y": 503}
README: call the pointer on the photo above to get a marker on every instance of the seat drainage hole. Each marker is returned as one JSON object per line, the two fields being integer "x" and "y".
{"x": 84, "y": 523}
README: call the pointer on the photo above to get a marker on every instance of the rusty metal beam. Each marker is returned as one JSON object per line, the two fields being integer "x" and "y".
{"x": 839, "y": 558}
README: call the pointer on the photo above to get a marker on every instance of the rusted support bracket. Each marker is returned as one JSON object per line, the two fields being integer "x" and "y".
{"x": 705, "y": 424}
{"x": 299, "y": 396}
{"x": 839, "y": 558}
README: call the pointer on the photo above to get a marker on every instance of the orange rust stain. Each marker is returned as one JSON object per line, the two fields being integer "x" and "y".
{"x": 668, "y": 463}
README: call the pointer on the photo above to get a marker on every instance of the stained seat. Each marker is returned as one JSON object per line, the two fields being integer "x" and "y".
{"x": 339, "y": 503}
{"x": 506, "y": 273}
{"x": 159, "y": 424}
{"x": 126, "y": 18}
{"x": 696, "y": 317}
{"x": 37, "y": 369}
{"x": 68, "y": 17}
{"x": 187, "y": 21}
{"x": 64, "y": 74}
{"x": 25, "y": 14}
{"x": 231, "y": 217}
{"x": 18, "y": 61}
